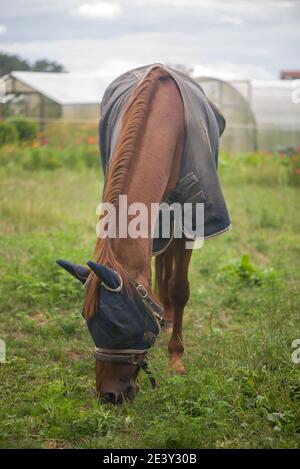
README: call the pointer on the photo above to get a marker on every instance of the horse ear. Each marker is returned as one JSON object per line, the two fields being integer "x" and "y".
{"x": 108, "y": 276}
{"x": 78, "y": 271}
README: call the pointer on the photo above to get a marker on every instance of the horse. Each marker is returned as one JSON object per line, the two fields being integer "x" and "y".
{"x": 123, "y": 312}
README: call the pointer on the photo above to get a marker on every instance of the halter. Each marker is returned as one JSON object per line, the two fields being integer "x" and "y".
{"x": 132, "y": 356}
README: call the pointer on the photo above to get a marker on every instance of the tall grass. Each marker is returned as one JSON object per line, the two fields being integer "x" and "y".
{"x": 242, "y": 389}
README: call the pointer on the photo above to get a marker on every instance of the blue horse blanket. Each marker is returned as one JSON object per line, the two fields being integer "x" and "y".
{"x": 199, "y": 181}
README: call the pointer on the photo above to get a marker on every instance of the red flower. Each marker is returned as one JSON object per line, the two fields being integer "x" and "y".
{"x": 91, "y": 140}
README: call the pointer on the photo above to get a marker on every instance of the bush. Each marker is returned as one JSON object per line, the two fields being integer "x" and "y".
{"x": 26, "y": 129}
{"x": 8, "y": 133}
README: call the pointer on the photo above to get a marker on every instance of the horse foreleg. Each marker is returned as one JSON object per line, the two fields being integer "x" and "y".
{"x": 179, "y": 293}
{"x": 164, "y": 268}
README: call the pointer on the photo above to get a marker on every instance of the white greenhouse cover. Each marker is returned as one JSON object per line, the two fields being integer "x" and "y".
{"x": 65, "y": 88}
{"x": 274, "y": 102}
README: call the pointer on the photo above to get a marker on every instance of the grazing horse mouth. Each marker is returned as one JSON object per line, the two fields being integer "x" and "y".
{"x": 130, "y": 357}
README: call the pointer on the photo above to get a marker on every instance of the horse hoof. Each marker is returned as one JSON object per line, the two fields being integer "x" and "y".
{"x": 177, "y": 366}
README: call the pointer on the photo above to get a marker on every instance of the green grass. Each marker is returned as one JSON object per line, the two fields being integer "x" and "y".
{"x": 241, "y": 390}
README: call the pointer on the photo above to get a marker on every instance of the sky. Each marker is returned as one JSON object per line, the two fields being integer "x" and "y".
{"x": 225, "y": 38}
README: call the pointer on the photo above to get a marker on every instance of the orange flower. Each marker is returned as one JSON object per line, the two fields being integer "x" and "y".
{"x": 91, "y": 140}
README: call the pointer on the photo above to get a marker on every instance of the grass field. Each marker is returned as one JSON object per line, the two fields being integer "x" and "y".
{"x": 242, "y": 389}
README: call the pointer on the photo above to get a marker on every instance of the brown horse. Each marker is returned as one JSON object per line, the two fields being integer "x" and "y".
{"x": 146, "y": 167}
{"x": 153, "y": 136}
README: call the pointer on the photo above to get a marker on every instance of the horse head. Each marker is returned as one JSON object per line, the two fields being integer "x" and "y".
{"x": 123, "y": 327}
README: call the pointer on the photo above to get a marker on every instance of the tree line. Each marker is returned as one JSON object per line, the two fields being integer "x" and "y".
{"x": 9, "y": 63}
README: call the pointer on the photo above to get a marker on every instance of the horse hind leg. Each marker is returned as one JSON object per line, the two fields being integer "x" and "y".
{"x": 164, "y": 268}
{"x": 179, "y": 293}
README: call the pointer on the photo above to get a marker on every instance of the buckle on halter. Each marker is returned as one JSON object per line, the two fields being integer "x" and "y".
{"x": 136, "y": 359}
{"x": 142, "y": 290}
{"x": 160, "y": 319}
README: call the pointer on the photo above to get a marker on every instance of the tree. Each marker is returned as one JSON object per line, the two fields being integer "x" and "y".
{"x": 9, "y": 63}
{"x": 44, "y": 65}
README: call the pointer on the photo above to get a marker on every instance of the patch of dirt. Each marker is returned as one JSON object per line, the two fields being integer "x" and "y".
{"x": 74, "y": 354}
{"x": 54, "y": 444}
{"x": 225, "y": 316}
{"x": 39, "y": 317}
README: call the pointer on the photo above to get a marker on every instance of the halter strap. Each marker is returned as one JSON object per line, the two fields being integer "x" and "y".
{"x": 150, "y": 304}
{"x": 138, "y": 358}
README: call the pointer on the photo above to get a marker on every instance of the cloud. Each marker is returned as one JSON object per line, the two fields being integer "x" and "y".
{"x": 233, "y": 20}
{"x": 232, "y": 71}
{"x": 3, "y": 29}
{"x": 99, "y": 10}
{"x": 132, "y": 50}
{"x": 128, "y": 33}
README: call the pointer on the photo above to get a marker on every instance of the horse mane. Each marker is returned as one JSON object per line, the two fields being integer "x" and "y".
{"x": 133, "y": 121}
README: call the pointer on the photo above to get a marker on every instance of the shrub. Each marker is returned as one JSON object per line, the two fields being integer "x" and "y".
{"x": 38, "y": 157}
{"x": 244, "y": 269}
{"x": 8, "y": 133}
{"x": 26, "y": 129}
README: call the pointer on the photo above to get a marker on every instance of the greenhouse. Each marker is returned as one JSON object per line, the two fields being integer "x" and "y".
{"x": 45, "y": 96}
{"x": 261, "y": 115}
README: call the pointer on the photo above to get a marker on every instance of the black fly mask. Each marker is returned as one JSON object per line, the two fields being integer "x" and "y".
{"x": 125, "y": 325}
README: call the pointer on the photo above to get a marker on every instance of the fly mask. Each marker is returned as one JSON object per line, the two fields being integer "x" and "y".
{"x": 125, "y": 324}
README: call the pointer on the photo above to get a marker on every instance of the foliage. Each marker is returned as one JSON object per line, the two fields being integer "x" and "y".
{"x": 38, "y": 156}
{"x": 43, "y": 65}
{"x": 247, "y": 271}
{"x": 10, "y": 63}
{"x": 27, "y": 130}
{"x": 291, "y": 159}
{"x": 8, "y": 133}
{"x": 265, "y": 168}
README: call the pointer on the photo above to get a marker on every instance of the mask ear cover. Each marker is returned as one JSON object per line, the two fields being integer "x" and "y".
{"x": 78, "y": 271}
{"x": 108, "y": 276}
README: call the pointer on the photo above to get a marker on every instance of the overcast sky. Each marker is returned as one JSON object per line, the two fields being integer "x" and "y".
{"x": 228, "y": 38}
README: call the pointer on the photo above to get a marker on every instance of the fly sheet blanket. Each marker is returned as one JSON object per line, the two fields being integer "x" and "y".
{"x": 198, "y": 181}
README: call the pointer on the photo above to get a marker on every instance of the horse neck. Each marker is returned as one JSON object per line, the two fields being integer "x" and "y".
{"x": 153, "y": 172}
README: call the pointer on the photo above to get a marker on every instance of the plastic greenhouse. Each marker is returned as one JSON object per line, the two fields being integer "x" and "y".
{"x": 260, "y": 115}
{"x": 44, "y": 96}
